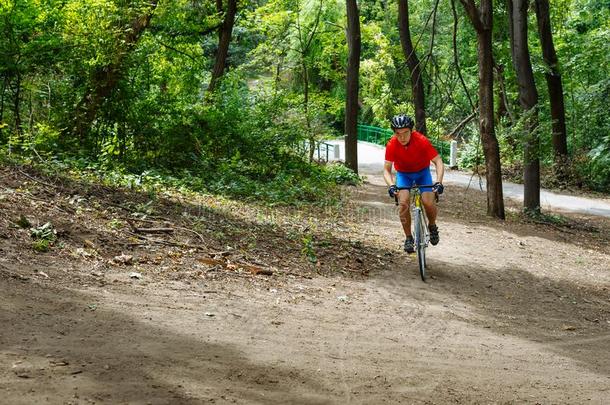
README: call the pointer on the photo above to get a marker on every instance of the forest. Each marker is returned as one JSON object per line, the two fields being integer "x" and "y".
{"x": 220, "y": 96}
{"x": 170, "y": 233}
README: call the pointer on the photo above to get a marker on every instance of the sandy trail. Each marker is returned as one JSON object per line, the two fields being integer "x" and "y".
{"x": 510, "y": 316}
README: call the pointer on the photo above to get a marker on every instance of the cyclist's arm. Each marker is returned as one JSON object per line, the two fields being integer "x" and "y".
{"x": 387, "y": 173}
{"x": 440, "y": 168}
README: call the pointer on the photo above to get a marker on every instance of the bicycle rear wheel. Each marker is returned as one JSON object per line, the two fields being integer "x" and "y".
{"x": 420, "y": 242}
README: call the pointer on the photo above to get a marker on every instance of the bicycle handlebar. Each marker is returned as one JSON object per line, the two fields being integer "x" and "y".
{"x": 415, "y": 186}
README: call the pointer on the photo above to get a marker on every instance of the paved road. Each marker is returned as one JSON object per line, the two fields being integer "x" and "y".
{"x": 370, "y": 163}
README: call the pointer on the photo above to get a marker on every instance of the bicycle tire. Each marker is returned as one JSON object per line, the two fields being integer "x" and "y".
{"x": 420, "y": 243}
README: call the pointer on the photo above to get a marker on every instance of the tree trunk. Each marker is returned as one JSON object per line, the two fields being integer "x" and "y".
{"x": 528, "y": 98}
{"x": 417, "y": 84}
{"x": 491, "y": 149}
{"x": 226, "y": 29}
{"x": 351, "y": 98}
{"x": 106, "y": 78}
{"x": 2, "y": 125}
{"x": 482, "y": 20}
{"x": 31, "y": 112}
{"x": 16, "y": 105}
{"x": 459, "y": 127}
{"x": 278, "y": 72}
{"x": 310, "y": 134}
{"x": 4, "y": 85}
{"x": 502, "y": 111}
{"x": 554, "y": 83}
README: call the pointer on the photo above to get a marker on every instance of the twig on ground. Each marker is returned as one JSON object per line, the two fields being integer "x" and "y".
{"x": 165, "y": 242}
{"x": 289, "y": 273}
{"x": 154, "y": 230}
{"x": 37, "y": 180}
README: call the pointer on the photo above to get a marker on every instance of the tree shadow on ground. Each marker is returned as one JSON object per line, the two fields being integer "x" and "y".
{"x": 58, "y": 343}
{"x": 571, "y": 320}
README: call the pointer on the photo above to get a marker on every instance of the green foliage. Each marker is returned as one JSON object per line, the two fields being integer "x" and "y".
{"x": 544, "y": 218}
{"x": 470, "y": 155}
{"x": 23, "y": 222}
{"x": 41, "y": 245}
{"x": 598, "y": 167}
{"x": 45, "y": 231}
{"x": 43, "y": 236}
{"x": 340, "y": 174}
{"x": 308, "y": 248}
{"x": 157, "y": 126}
{"x": 115, "y": 224}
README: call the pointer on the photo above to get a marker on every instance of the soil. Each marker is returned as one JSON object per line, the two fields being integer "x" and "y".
{"x": 235, "y": 302}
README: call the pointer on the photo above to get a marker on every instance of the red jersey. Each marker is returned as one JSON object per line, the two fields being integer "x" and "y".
{"x": 412, "y": 157}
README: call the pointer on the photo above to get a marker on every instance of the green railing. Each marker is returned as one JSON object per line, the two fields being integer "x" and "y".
{"x": 381, "y": 136}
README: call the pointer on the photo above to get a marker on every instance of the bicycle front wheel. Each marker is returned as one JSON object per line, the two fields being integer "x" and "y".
{"x": 420, "y": 243}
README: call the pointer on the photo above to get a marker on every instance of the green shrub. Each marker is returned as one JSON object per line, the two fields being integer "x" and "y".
{"x": 598, "y": 167}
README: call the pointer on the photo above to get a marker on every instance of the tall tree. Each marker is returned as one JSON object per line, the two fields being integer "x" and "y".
{"x": 528, "y": 98}
{"x": 351, "y": 91}
{"x": 106, "y": 78}
{"x": 305, "y": 38}
{"x": 555, "y": 85}
{"x": 417, "y": 83}
{"x": 482, "y": 19}
{"x": 224, "y": 40}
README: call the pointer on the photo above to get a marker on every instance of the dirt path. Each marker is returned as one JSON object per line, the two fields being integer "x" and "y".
{"x": 370, "y": 163}
{"x": 515, "y": 313}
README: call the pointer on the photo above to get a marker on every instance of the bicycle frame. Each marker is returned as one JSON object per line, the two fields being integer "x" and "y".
{"x": 418, "y": 211}
{"x": 419, "y": 226}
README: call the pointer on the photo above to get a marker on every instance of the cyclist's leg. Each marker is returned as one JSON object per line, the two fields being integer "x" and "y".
{"x": 425, "y": 177}
{"x": 429, "y": 205}
{"x": 403, "y": 180}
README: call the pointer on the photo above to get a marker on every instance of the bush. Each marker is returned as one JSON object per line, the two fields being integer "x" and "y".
{"x": 597, "y": 167}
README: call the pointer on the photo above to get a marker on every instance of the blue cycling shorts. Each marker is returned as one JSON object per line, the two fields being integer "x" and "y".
{"x": 406, "y": 180}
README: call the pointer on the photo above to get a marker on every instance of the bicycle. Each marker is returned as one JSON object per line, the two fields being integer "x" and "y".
{"x": 419, "y": 225}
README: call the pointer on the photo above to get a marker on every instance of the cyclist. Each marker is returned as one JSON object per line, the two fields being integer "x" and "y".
{"x": 411, "y": 153}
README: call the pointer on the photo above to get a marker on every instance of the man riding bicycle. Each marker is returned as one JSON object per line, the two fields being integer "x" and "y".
{"x": 411, "y": 153}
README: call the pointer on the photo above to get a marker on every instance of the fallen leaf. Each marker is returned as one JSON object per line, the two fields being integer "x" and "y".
{"x": 257, "y": 270}
{"x": 210, "y": 262}
{"x": 123, "y": 259}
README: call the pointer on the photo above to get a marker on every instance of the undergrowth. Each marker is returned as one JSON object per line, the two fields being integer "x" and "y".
{"x": 298, "y": 183}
